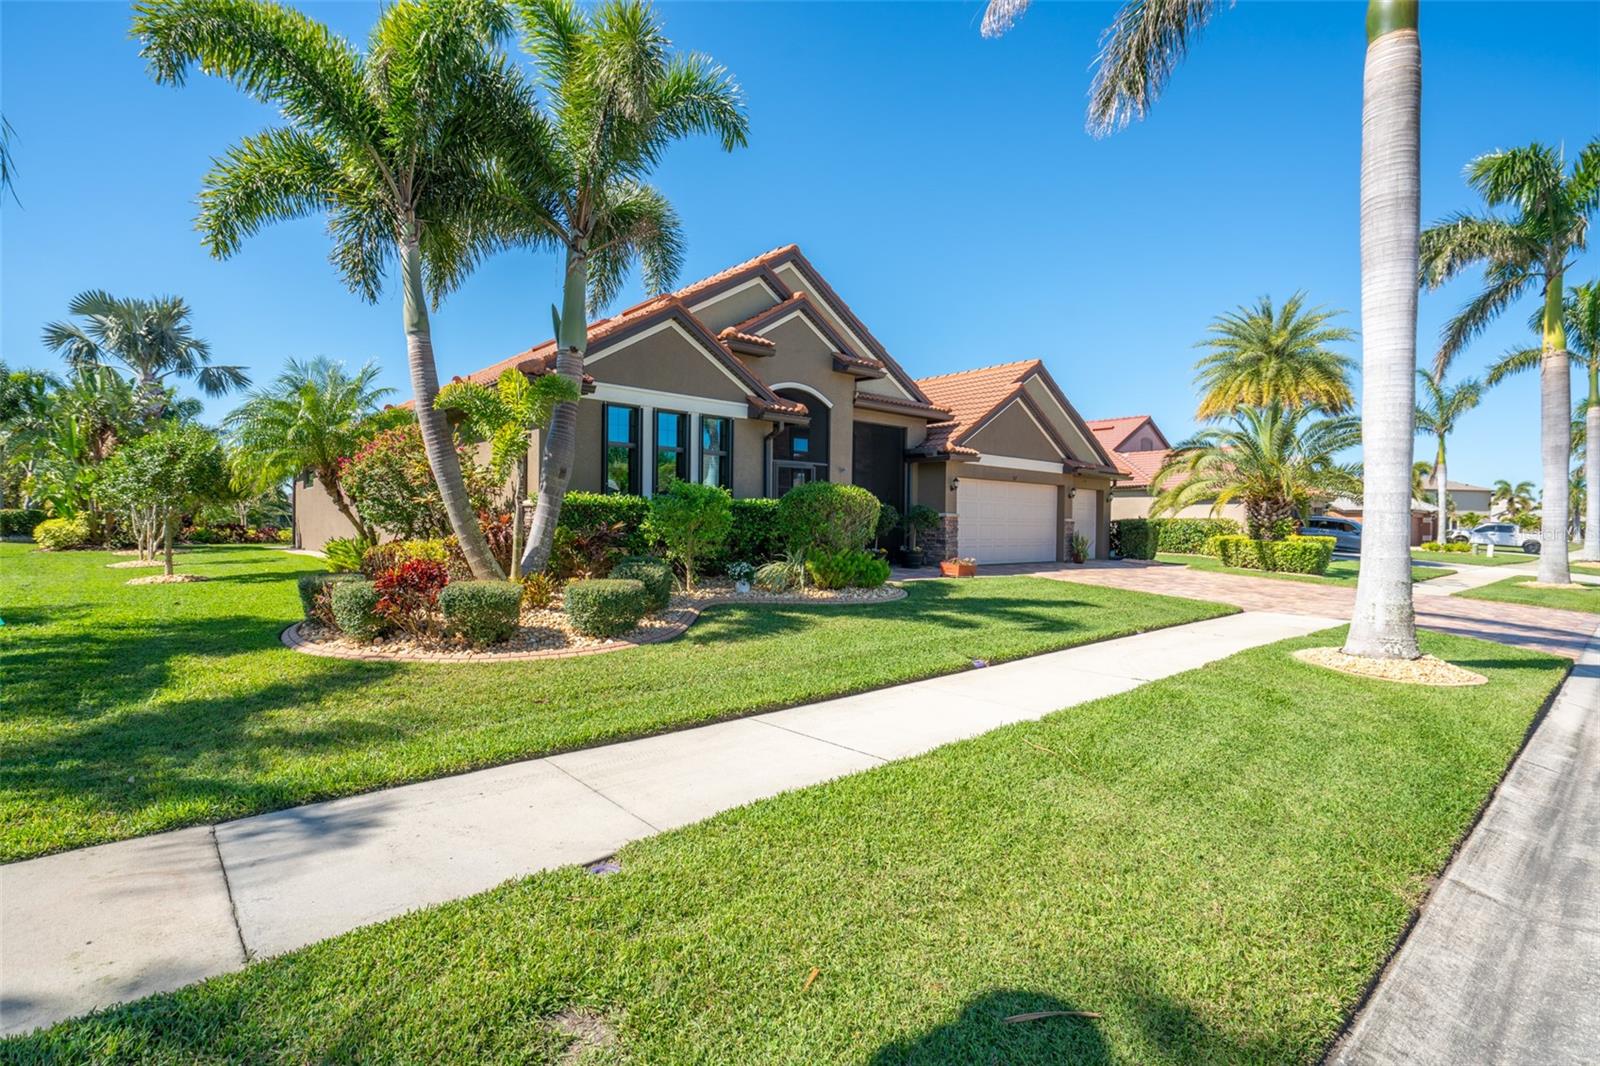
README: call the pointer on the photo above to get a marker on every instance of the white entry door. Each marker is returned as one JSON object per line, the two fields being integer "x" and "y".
{"x": 1086, "y": 517}
{"x": 1006, "y": 521}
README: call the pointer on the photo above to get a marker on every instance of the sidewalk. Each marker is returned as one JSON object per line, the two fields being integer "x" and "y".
{"x": 1504, "y": 964}
{"x": 103, "y": 925}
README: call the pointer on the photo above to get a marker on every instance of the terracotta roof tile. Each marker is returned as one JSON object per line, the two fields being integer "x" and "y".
{"x": 1141, "y": 465}
{"x": 1111, "y": 432}
{"x": 970, "y": 394}
{"x": 733, "y": 333}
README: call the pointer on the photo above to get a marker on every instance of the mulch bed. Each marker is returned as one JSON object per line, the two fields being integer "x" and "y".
{"x": 167, "y": 579}
{"x": 1426, "y": 670}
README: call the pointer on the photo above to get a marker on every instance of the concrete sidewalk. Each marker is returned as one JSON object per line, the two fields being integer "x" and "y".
{"x": 1503, "y": 966}
{"x": 107, "y": 924}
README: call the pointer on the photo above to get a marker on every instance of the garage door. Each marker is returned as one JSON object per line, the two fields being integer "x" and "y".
{"x": 1006, "y": 521}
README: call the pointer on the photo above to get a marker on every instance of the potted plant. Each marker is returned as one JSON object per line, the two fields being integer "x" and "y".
{"x": 1079, "y": 548}
{"x": 741, "y": 574}
{"x": 918, "y": 519}
{"x": 959, "y": 568}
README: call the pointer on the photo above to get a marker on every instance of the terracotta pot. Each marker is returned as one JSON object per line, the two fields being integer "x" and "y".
{"x": 951, "y": 568}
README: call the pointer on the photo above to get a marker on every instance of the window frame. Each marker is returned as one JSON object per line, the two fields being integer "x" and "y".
{"x": 682, "y": 464}
{"x": 635, "y": 486}
{"x": 725, "y": 453}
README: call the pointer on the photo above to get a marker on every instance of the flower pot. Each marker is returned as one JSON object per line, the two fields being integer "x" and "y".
{"x": 957, "y": 568}
{"x": 912, "y": 558}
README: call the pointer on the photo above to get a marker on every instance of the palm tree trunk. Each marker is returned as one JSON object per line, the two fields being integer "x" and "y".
{"x": 166, "y": 541}
{"x": 1384, "y": 622}
{"x": 1442, "y": 482}
{"x": 1555, "y": 438}
{"x": 436, "y": 438}
{"x": 517, "y": 490}
{"x": 1591, "y": 468}
{"x": 561, "y": 439}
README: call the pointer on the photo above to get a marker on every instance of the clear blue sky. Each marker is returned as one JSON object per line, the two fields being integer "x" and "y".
{"x": 942, "y": 182}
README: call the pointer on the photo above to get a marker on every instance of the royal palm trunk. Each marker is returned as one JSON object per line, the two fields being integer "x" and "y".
{"x": 1384, "y": 621}
{"x": 1443, "y": 489}
{"x": 437, "y": 442}
{"x": 1555, "y": 438}
{"x": 561, "y": 439}
{"x": 1591, "y": 468}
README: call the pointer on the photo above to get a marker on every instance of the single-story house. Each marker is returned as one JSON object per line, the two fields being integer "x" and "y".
{"x": 761, "y": 377}
{"x": 1139, "y": 448}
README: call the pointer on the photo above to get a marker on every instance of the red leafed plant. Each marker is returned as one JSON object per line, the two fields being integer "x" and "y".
{"x": 408, "y": 596}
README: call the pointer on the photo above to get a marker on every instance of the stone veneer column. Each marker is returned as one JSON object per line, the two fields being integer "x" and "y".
{"x": 942, "y": 542}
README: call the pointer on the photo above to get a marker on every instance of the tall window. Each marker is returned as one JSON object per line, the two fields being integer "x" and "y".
{"x": 716, "y": 451}
{"x": 672, "y": 448}
{"x": 622, "y": 447}
{"x": 800, "y": 452}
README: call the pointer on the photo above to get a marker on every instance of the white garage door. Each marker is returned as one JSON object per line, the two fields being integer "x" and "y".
{"x": 1086, "y": 517}
{"x": 1006, "y": 521}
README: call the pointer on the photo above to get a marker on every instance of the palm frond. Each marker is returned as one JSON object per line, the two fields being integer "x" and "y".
{"x": 1463, "y": 240}
{"x": 1516, "y": 361}
{"x": 1504, "y": 286}
{"x": 1000, "y": 15}
{"x": 1138, "y": 53}
{"x": 274, "y": 176}
{"x": 1528, "y": 177}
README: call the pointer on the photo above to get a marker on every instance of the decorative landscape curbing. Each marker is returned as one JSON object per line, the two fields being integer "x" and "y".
{"x": 681, "y": 619}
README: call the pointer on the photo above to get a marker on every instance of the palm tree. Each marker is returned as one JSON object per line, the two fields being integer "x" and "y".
{"x": 1138, "y": 54}
{"x": 1581, "y": 321}
{"x": 1514, "y": 499}
{"x": 308, "y": 419}
{"x": 1438, "y": 413}
{"x": 1274, "y": 459}
{"x": 1535, "y": 245}
{"x": 394, "y": 145}
{"x": 1259, "y": 356}
{"x": 8, "y": 165}
{"x": 152, "y": 339}
{"x": 617, "y": 97}
{"x": 1420, "y": 473}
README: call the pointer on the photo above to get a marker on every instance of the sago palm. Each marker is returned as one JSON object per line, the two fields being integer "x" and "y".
{"x": 1440, "y": 408}
{"x": 153, "y": 340}
{"x": 1139, "y": 51}
{"x": 308, "y": 419}
{"x": 1274, "y": 460}
{"x": 1260, "y": 355}
{"x": 1531, "y": 246}
{"x": 393, "y": 145}
{"x": 1581, "y": 321}
{"x": 616, "y": 97}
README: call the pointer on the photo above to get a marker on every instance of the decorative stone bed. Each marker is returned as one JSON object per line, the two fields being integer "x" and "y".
{"x": 545, "y": 634}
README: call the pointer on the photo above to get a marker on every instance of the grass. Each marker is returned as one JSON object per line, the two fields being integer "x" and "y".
{"x": 136, "y": 709}
{"x": 1502, "y": 557}
{"x": 1515, "y": 590}
{"x": 1217, "y": 863}
{"x": 1339, "y": 572}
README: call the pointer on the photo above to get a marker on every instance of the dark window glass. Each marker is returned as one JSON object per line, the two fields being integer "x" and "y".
{"x": 622, "y": 448}
{"x": 672, "y": 448}
{"x": 716, "y": 451}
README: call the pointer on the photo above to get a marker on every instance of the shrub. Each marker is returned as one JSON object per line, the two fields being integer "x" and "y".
{"x": 392, "y": 486}
{"x": 1292, "y": 555}
{"x": 602, "y": 607}
{"x": 409, "y": 594}
{"x": 394, "y": 554}
{"x": 586, "y": 552}
{"x": 654, "y": 574}
{"x": 1212, "y": 546}
{"x": 692, "y": 520}
{"x": 1458, "y": 546}
{"x": 780, "y": 576}
{"x": 1079, "y": 548}
{"x": 316, "y": 591}
{"x": 1133, "y": 538}
{"x": 752, "y": 538}
{"x": 19, "y": 521}
{"x": 355, "y": 609}
{"x": 888, "y": 522}
{"x": 58, "y": 534}
{"x": 920, "y": 519}
{"x": 538, "y": 590}
{"x": 483, "y": 612}
{"x": 344, "y": 554}
{"x": 823, "y": 516}
{"x": 851, "y": 568}
{"x": 1431, "y": 546}
{"x": 1187, "y": 536}
{"x": 583, "y": 511}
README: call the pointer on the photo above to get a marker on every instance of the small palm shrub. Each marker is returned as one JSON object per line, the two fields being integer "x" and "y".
{"x": 821, "y": 515}
{"x": 344, "y": 554}
{"x": 19, "y": 521}
{"x": 654, "y": 574}
{"x": 408, "y": 596}
{"x": 1078, "y": 548}
{"x": 59, "y": 534}
{"x": 605, "y": 607}
{"x": 846, "y": 569}
{"x": 481, "y": 612}
{"x": 354, "y": 605}
{"x": 316, "y": 591}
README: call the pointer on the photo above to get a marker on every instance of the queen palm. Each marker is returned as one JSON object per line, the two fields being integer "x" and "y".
{"x": 1581, "y": 323}
{"x": 309, "y": 418}
{"x": 1533, "y": 246}
{"x": 1513, "y": 499}
{"x": 1440, "y": 408}
{"x": 1273, "y": 459}
{"x": 617, "y": 97}
{"x": 152, "y": 340}
{"x": 393, "y": 145}
{"x": 1259, "y": 355}
{"x": 1138, "y": 54}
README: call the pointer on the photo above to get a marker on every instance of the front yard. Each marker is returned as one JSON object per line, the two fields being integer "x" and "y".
{"x": 1339, "y": 572}
{"x": 1502, "y": 557}
{"x": 1214, "y": 864}
{"x": 1515, "y": 590}
{"x": 131, "y": 710}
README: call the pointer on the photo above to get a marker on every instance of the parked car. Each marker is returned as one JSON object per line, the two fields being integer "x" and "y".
{"x": 1501, "y": 535}
{"x": 1346, "y": 533}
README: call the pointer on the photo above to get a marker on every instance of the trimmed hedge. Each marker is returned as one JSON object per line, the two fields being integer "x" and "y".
{"x": 654, "y": 574}
{"x": 586, "y": 510}
{"x": 1292, "y": 555}
{"x": 1142, "y": 538}
{"x": 19, "y": 521}
{"x": 311, "y": 587}
{"x": 754, "y": 537}
{"x": 484, "y": 612}
{"x": 57, "y": 534}
{"x": 824, "y": 516}
{"x": 846, "y": 569}
{"x": 355, "y": 609}
{"x": 605, "y": 607}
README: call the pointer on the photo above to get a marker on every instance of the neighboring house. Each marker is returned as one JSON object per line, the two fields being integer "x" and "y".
{"x": 760, "y": 378}
{"x": 1470, "y": 498}
{"x": 1424, "y": 516}
{"x": 1137, "y": 446}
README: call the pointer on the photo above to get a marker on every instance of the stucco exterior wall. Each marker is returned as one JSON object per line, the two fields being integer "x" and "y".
{"x": 1013, "y": 432}
{"x": 735, "y": 306}
{"x": 803, "y": 358}
{"x": 1129, "y": 504}
{"x": 665, "y": 361}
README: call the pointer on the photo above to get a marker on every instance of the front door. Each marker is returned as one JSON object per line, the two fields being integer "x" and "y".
{"x": 879, "y": 462}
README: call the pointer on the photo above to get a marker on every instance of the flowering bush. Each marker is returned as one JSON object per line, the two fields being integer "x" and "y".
{"x": 408, "y": 596}
{"x": 392, "y": 486}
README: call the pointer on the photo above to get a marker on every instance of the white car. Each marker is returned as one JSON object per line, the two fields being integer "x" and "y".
{"x": 1501, "y": 535}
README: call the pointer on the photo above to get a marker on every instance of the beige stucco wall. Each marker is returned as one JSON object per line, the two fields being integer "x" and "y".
{"x": 1013, "y": 432}
{"x": 316, "y": 519}
{"x": 666, "y": 361}
{"x": 1129, "y": 504}
{"x": 735, "y": 306}
{"x": 803, "y": 358}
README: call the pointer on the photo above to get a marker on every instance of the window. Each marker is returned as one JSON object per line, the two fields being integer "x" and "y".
{"x": 622, "y": 448}
{"x": 800, "y": 452}
{"x": 672, "y": 448}
{"x": 716, "y": 451}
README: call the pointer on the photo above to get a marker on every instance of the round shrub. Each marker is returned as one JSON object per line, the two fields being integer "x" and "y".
{"x": 605, "y": 607}
{"x": 57, "y": 534}
{"x": 820, "y": 515}
{"x": 355, "y": 609}
{"x": 315, "y": 590}
{"x": 19, "y": 521}
{"x": 484, "y": 612}
{"x": 654, "y": 574}
{"x": 846, "y": 569}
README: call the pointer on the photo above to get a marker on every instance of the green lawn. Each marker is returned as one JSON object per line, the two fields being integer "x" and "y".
{"x": 1502, "y": 557}
{"x": 1217, "y": 863}
{"x": 1513, "y": 590}
{"x": 132, "y": 710}
{"x": 1339, "y": 572}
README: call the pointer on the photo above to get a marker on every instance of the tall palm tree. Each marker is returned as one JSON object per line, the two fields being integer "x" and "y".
{"x": 617, "y": 96}
{"x": 1514, "y": 499}
{"x": 1273, "y": 459}
{"x": 1138, "y": 54}
{"x": 1261, "y": 356}
{"x": 152, "y": 339}
{"x": 1420, "y": 473}
{"x": 309, "y": 418}
{"x": 393, "y": 144}
{"x": 1581, "y": 321}
{"x": 1534, "y": 245}
{"x": 1441, "y": 408}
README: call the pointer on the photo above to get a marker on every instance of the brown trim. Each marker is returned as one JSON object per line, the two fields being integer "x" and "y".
{"x": 1079, "y": 424}
{"x": 1018, "y": 395}
{"x": 895, "y": 405}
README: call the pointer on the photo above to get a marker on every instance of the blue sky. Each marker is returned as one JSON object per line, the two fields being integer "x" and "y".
{"x": 943, "y": 183}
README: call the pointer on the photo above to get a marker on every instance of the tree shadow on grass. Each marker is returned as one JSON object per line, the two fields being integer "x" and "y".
{"x": 981, "y": 1034}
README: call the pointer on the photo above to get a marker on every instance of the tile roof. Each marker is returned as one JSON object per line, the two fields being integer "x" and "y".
{"x": 969, "y": 395}
{"x": 1111, "y": 432}
{"x": 733, "y": 333}
{"x": 1142, "y": 465}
